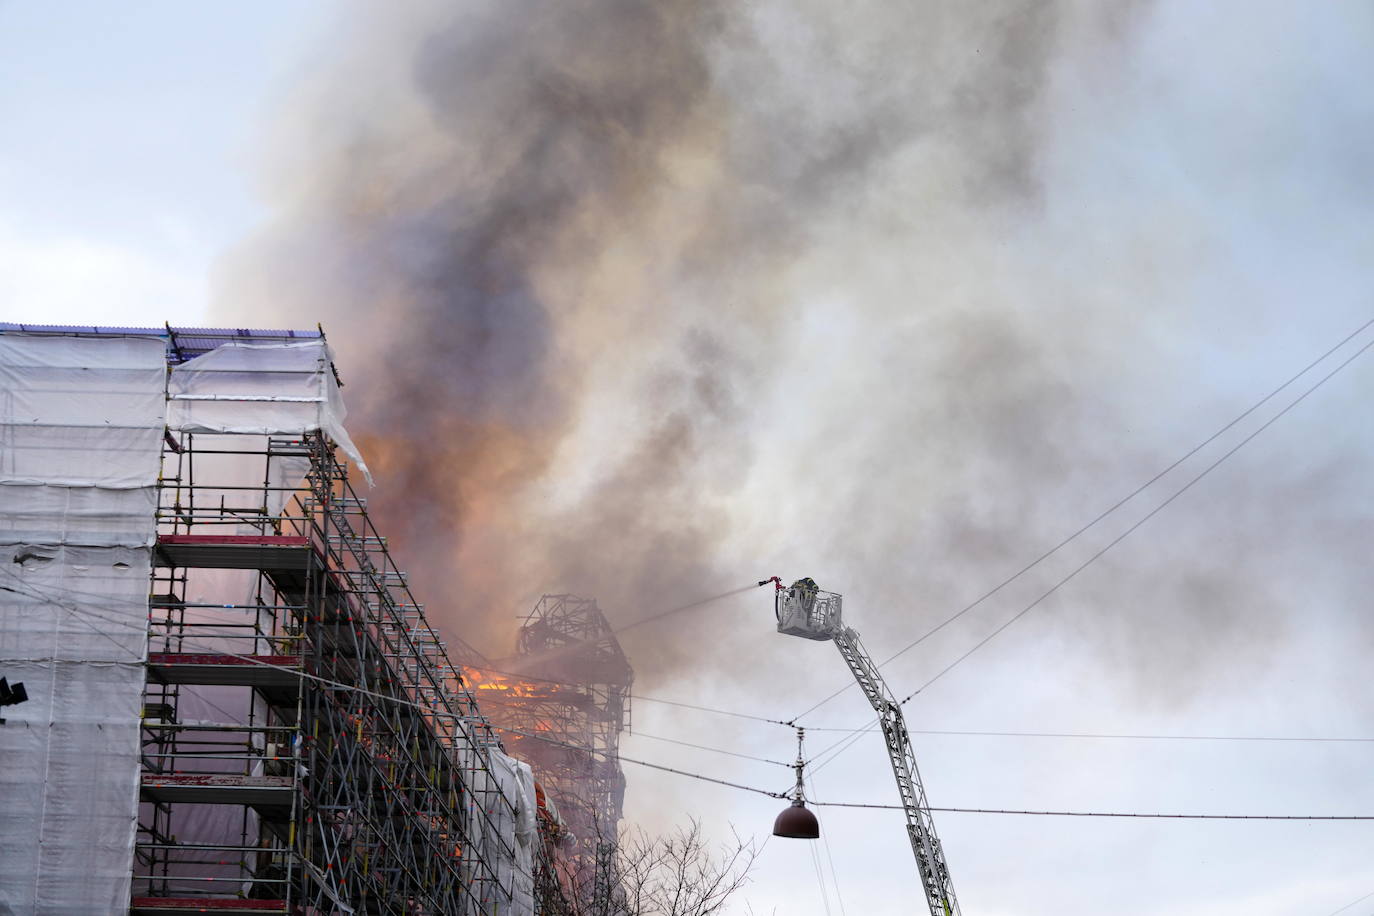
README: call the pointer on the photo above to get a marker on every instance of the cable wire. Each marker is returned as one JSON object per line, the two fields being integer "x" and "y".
{"x": 820, "y": 876}
{"x": 522, "y": 675}
{"x": 206, "y": 633}
{"x": 1125, "y": 814}
{"x": 1117, "y": 505}
{"x": 1117, "y": 540}
{"x": 338, "y": 685}
{"x": 199, "y": 697}
{"x": 782, "y": 795}
{"x": 635, "y": 696}
{"x": 81, "y": 613}
{"x": 830, "y": 752}
{"x": 834, "y": 875}
{"x": 644, "y": 763}
{"x": 722, "y": 712}
{"x": 1119, "y": 736}
{"x": 1141, "y": 737}
{"x": 1149, "y": 515}
{"x": 1350, "y": 904}
{"x": 706, "y": 747}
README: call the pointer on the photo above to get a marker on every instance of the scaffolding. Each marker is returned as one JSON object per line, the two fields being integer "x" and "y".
{"x": 307, "y": 744}
{"x": 561, "y": 703}
{"x": 354, "y": 760}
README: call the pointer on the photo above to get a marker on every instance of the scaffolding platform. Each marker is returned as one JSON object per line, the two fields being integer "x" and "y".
{"x": 225, "y": 906}
{"x": 234, "y": 551}
{"x": 225, "y": 670}
{"x": 219, "y": 789}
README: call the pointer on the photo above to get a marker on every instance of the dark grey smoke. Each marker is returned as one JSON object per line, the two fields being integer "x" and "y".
{"x": 591, "y": 268}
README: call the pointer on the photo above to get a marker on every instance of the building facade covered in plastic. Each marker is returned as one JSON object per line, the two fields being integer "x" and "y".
{"x": 236, "y": 703}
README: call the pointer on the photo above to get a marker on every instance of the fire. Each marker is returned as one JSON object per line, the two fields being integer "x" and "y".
{"x": 469, "y": 472}
{"x": 493, "y": 685}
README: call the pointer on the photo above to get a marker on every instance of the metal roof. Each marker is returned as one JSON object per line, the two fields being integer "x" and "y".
{"x": 182, "y": 343}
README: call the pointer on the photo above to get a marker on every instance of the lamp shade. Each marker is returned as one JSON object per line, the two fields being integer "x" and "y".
{"x": 797, "y": 823}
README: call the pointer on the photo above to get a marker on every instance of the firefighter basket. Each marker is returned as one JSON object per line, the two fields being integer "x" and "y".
{"x": 804, "y": 610}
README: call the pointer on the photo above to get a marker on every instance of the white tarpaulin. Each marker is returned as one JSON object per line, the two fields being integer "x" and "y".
{"x": 517, "y": 829}
{"x": 81, "y": 425}
{"x": 269, "y": 389}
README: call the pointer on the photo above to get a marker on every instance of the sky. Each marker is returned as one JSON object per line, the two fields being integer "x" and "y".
{"x": 894, "y": 300}
{"x": 131, "y": 151}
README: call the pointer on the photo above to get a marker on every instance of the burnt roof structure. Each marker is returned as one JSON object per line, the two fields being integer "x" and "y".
{"x": 561, "y": 703}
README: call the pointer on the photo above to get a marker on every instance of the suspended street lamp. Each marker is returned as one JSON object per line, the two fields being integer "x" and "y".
{"x": 796, "y": 822}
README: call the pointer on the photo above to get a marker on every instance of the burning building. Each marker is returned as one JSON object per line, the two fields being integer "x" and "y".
{"x": 237, "y": 704}
{"x": 561, "y": 703}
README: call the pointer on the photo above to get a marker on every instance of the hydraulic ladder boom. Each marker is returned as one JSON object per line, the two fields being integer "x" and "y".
{"x": 920, "y": 828}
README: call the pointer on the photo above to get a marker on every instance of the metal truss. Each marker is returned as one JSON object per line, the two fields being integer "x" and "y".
{"x": 309, "y": 747}
{"x": 920, "y": 826}
{"x": 564, "y": 705}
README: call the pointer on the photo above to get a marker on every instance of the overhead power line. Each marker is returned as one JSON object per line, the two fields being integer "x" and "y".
{"x": 1117, "y": 505}
{"x": 1130, "y": 814}
{"x": 706, "y": 747}
{"x": 1117, "y": 540}
{"x": 644, "y": 763}
{"x": 1149, "y": 515}
{"x": 961, "y": 810}
{"x": 479, "y": 667}
{"x": 636, "y": 696}
{"x": 830, "y": 752}
{"x": 1350, "y": 904}
{"x": 711, "y": 709}
{"x": 82, "y": 613}
{"x": 834, "y": 875}
{"x": 210, "y": 633}
{"x": 1118, "y": 736}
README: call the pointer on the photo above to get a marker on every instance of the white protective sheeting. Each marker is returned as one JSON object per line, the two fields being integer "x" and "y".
{"x": 81, "y": 425}
{"x": 75, "y": 409}
{"x": 517, "y": 830}
{"x": 269, "y": 389}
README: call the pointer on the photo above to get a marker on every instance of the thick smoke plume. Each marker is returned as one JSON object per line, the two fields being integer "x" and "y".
{"x": 637, "y": 300}
{"x": 554, "y": 248}
{"x": 650, "y": 300}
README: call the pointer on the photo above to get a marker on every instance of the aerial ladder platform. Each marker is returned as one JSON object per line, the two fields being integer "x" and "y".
{"x": 806, "y": 611}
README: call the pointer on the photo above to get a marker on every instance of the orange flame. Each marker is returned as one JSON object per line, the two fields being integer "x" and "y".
{"x": 491, "y": 685}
